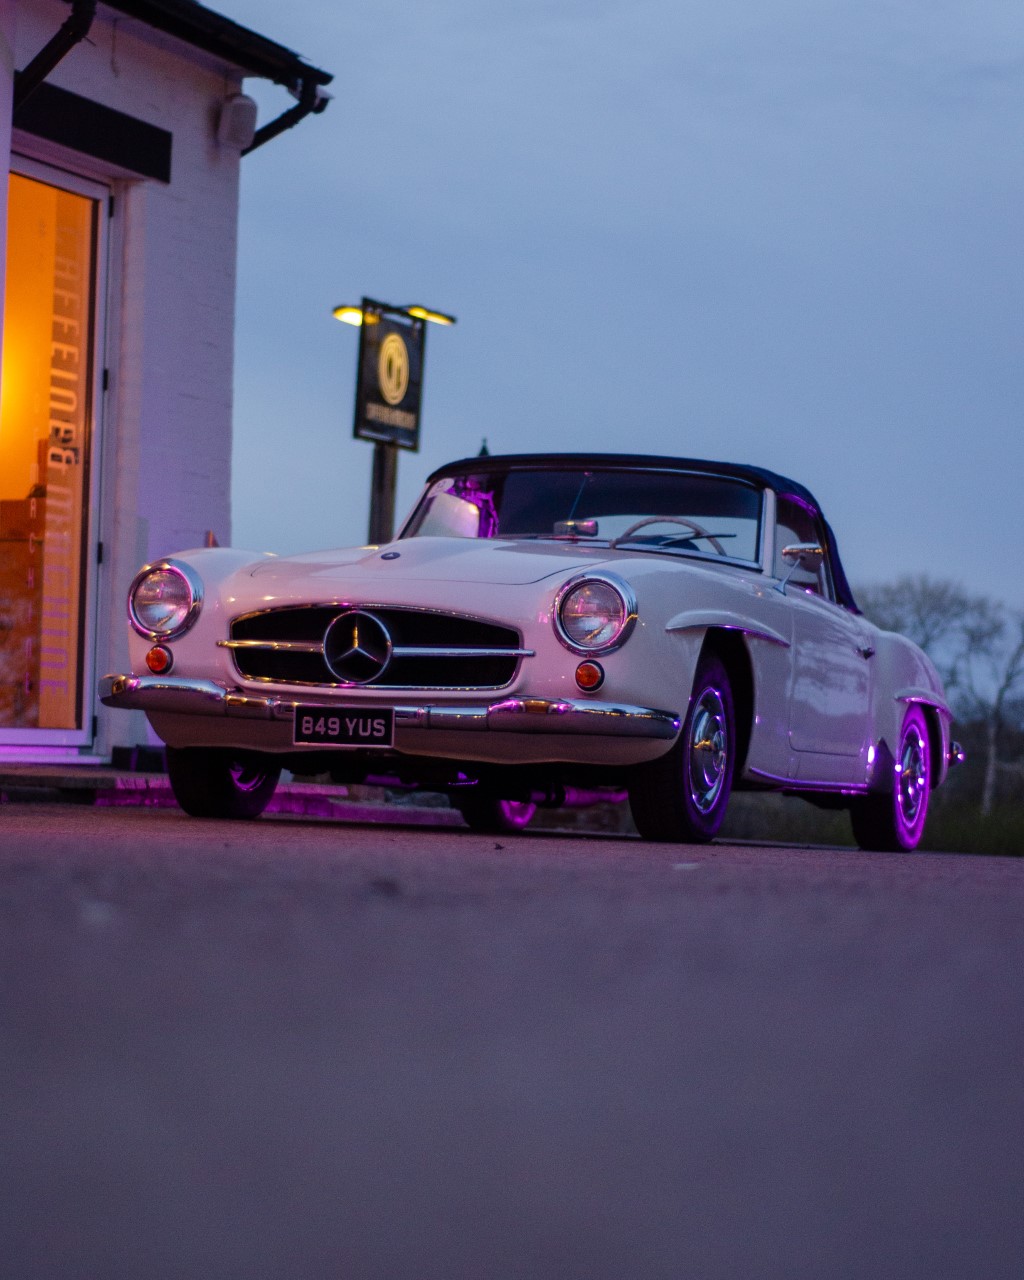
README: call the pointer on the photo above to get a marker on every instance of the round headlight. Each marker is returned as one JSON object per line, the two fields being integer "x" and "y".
{"x": 594, "y": 615}
{"x": 164, "y": 600}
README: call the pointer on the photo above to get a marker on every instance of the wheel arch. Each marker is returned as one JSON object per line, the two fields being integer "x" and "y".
{"x": 730, "y": 647}
{"x": 936, "y": 742}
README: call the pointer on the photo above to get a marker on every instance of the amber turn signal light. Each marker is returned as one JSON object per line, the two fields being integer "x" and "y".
{"x": 159, "y": 660}
{"x": 589, "y": 676}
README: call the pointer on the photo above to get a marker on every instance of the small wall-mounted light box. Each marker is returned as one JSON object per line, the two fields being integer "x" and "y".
{"x": 237, "y": 124}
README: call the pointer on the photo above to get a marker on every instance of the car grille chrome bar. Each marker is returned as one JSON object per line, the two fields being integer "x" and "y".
{"x": 399, "y": 651}
{"x": 411, "y": 651}
{"x": 296, "y": 646}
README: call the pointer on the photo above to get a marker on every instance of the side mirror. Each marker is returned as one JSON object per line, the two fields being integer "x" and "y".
{"x": 808, "y": 556}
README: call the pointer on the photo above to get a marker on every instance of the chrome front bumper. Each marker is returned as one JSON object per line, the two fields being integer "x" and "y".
{"x": 178, "y": 696}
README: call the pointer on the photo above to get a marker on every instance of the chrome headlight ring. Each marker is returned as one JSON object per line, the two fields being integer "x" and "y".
{"x": 175, "y": 600}
{"x": 620, "y": 617}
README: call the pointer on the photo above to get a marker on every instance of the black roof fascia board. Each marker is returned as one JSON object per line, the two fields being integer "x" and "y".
{"x": 204, "y": 29}
{"x": 96, "y": 130}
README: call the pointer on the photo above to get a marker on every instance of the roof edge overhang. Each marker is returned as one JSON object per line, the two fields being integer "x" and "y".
{"x": 213, "y": 33}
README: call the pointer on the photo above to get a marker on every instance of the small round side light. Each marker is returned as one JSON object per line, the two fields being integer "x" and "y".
{"x": 589, "y": 676}
{"x": 159, "y": 660}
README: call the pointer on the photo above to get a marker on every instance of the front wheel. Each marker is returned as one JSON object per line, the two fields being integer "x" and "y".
{"x": 211, "y": 783}
{"x": 682, "y": 796}
{"x": 894, "y": 823}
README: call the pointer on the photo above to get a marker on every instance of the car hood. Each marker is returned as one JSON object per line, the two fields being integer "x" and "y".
{"x": 429, "y": 560}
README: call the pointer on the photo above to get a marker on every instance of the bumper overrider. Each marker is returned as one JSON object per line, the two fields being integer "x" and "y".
{"x": 181, "y": 696}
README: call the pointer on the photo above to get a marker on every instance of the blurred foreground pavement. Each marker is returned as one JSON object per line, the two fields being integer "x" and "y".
{"x": 305, "y": 1049}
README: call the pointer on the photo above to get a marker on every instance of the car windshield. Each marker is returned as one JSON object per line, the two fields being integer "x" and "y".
{"x": 633, "y": 509}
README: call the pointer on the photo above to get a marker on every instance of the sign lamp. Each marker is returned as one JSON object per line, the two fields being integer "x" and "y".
{"x": 349, "y": 313}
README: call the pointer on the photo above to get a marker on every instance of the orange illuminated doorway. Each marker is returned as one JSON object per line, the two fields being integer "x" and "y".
{"x": 46, "y": 429}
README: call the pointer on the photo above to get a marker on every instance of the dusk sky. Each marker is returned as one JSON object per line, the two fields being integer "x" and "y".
{"x": 785, "y": 234}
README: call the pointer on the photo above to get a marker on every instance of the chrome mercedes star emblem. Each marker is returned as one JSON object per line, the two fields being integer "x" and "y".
{"x": 357, "y": 647}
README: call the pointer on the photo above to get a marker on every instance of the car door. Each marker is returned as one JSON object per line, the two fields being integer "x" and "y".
{"x": 831, "y": 654}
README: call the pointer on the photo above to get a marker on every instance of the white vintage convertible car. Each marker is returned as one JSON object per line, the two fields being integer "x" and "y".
{"x": 546, "y": 625}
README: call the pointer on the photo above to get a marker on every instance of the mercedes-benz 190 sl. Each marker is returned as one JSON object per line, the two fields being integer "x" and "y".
{"x": 545, "y": 625}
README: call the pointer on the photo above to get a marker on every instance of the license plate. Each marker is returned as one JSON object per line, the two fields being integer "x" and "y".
{"x": 344, "y": 726}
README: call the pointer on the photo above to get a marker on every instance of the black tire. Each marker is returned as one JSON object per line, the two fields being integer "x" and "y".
{"x": 894, "y": 823}
{"x": 488, "y": 814}
{"x": 683, "y": 795}
{"x": 210, "y": 783}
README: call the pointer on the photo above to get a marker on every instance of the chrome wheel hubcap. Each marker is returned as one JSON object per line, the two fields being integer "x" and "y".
{"x": 246, "y": 778}
{"x": 517, "y": 813}
{"x": 709, "y": 750}
{"x": 912, "y": 783}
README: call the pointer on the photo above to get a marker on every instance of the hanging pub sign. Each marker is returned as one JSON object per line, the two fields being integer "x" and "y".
{"x": 390, "y": 378}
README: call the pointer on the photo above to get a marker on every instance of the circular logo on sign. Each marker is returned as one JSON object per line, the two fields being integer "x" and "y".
{"x": 393, "y": 369}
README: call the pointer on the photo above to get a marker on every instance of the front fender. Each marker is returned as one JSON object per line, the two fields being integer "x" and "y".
{"x": 726, "y": 620}
{"x": 195, "y": 652}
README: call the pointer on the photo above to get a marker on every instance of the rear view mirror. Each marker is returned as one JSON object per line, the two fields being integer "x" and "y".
{"x": 575, "y": 529}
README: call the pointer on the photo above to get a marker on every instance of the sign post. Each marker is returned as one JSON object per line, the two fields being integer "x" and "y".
{"x": 382, "y": 493}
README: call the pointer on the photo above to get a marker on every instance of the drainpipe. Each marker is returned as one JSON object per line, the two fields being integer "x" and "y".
{"x": 312, "y": 100}
{"x": 76, "y": 28}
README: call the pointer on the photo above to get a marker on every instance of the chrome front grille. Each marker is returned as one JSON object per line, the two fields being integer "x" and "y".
{"x": 406, "y": 648}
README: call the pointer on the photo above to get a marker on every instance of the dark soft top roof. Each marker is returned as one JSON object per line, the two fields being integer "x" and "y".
{"x": 735, "y": 470}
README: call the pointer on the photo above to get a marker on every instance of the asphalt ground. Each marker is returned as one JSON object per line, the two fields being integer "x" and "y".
{"x": 295, "y": 1048}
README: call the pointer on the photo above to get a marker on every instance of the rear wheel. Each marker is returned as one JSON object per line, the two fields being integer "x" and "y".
{"x": 210, "y": 783}
{"x": 894, "y": 823}
{"x": 683, "y": 795}
{"x": 488, "y": 814}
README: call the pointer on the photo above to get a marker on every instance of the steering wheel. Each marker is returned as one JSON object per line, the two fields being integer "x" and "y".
{"x": 698, "y": 530}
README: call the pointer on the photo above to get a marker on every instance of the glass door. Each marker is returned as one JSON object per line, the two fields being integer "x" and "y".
{"x": 46, "y": 428}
